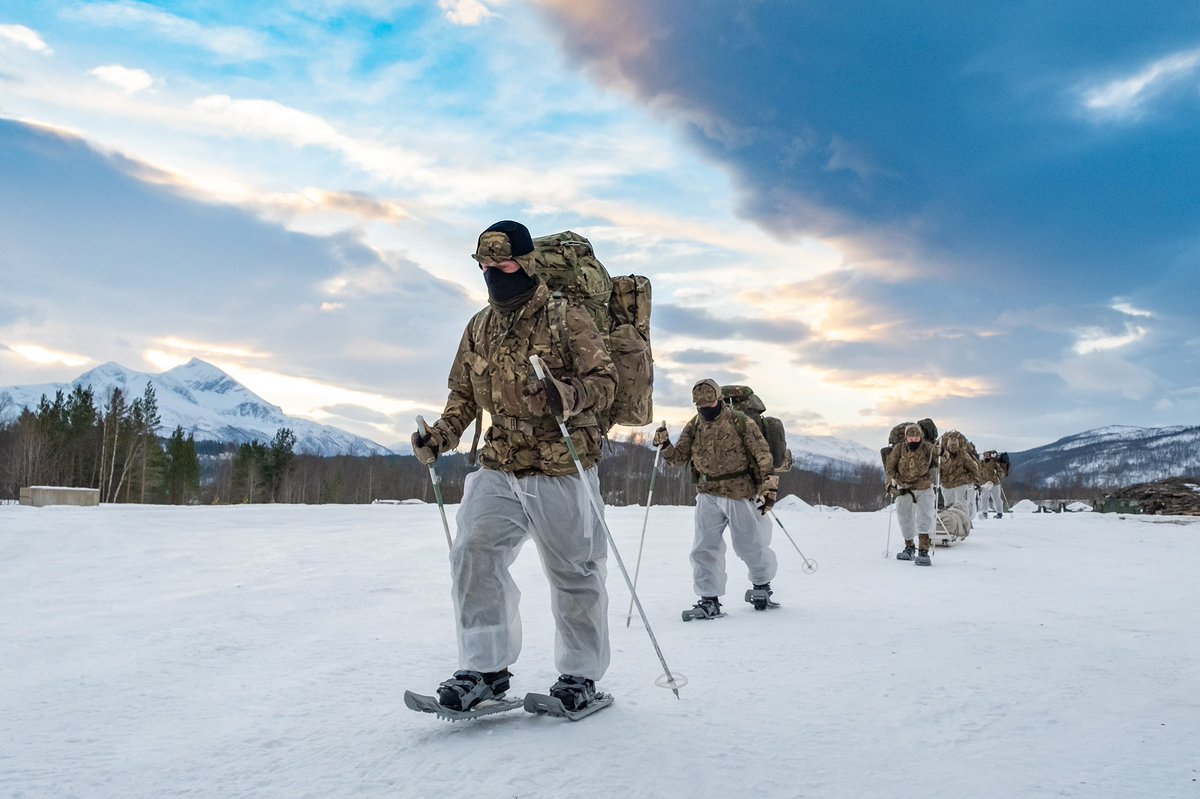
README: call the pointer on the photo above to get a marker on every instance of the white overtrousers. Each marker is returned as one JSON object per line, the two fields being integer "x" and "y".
{"x": 993, "y": 494}
{"x": 499, "y": 512}
{"x": 915, "y": 517}
{"x": 750, "y": 532}
{"x": 964, "y": 494}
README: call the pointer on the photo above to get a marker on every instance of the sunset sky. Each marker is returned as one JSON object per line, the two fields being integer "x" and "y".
{"x": 987, "y": 212}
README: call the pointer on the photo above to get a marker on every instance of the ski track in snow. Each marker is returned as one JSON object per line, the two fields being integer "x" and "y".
{"x": 264, "y": 650}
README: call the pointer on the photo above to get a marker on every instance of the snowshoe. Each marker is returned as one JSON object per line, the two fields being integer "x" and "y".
{"x": 760, "y": 597}
{"x": 543, "y": 704}
{"x": 484, "y": 707}
{"x": 709, "y": 607}
{"x": 908, "y": 552}
{"x": 468, "y": 688}
{"x": 923, "y": 558}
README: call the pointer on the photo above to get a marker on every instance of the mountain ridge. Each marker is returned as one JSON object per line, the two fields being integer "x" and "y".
{"x": 204, "y": 401}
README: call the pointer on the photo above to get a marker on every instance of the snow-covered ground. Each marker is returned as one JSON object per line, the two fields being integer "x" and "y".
{"x": 263, "y": 651}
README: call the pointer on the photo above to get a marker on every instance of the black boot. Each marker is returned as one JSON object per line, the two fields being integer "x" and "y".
{"x": 466, "y": 689}
{"x": 760, "y": 596}
{"x": 908, "y": 551}
{"x": 709, "y": 607}
{"x": 574, "y": 692}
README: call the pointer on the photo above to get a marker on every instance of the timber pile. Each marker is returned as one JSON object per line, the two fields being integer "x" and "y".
{"x": 1176, "y": 496}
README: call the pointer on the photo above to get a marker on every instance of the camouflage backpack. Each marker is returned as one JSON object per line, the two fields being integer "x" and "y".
{"x": 964, "y": 445}
{"x": 929, "y": 432}
{"x": 619, "y": 306}
{"x": 743, "y": 398}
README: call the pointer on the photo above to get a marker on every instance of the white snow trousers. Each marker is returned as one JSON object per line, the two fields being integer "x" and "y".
{"x": 915, "y": 517}
{"x": 964, "y": 494}
{"x": 751, "y": 535}
{"x": 499, "y": 512}
{"x": 992, "y": 494}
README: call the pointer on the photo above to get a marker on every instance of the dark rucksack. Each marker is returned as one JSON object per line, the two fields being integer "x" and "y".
{"x": 743, "y": 398}
{"x": 929, "y": 432}
{"x": 619, "y": 306}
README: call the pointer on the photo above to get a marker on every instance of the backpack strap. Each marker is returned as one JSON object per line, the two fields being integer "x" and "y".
{"x": 558, "y": 327}
{"x": 739, "y": 420}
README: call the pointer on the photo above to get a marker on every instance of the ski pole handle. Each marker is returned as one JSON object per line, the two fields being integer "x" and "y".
{"x": 538, "y": 367}
{"x": 423, "y": 429}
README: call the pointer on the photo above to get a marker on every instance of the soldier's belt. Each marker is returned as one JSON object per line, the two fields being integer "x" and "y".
{"x": 545, "y": 424}
{"x": 717, "y": 478}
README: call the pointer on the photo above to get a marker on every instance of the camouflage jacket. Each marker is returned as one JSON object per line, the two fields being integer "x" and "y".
{"x": 726, "y": 462}
{"x": 958, "y": 469}
{"x": 492, "y": 368}
{"x": 992, "y": 471}
{"x": 912, "y": 468}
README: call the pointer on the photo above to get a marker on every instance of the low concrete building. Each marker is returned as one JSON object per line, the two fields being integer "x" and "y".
{"x": 41, "y": 496}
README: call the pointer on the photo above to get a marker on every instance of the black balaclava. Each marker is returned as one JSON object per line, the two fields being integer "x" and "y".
{"x": 507, "y": 239}
{"x": 708, "y": 413}
{"x": 913, "y": 445}
{"x": 508, "y": 292}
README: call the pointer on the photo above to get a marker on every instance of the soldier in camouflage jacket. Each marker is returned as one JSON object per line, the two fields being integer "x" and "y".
{"x": 959, "y": 471}
{"x": 732, "y": 464}
{"x": 909, "y": 467}
{"x": 529, "y": 485}
{"x": 991, "y": 472}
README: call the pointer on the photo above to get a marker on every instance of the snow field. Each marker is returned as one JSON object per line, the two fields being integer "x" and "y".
{"x": 264, "y": 650}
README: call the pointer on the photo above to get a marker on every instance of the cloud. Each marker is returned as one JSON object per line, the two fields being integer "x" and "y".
{"x": 22, "y": 36}
{"x": 466, "y": 12}
{"x": 1094, "y": 339}
{"x": 44, "y": 355}
{"x": 685, "y": 321}
{"x": 1127, "y": 97}
{"x": 359, "y": 413}
{"x": 124, "y": 78}
{"x": 231, "y": 43}
{"x": 212, "y": 280}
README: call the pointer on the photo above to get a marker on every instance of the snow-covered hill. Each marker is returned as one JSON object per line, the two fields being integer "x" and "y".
{"x": 1111, "y": 456}
{"x": 831, "y": 454}
{"x": 204, "y": 401}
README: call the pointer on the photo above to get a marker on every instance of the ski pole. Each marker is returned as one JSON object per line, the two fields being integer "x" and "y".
{"x": 810, "y": 565}
{"x": 887, "y": 548}
{"x": 437, "y": 483}
{"x": 645, "y": 520}
{"x": 541, "y": 373}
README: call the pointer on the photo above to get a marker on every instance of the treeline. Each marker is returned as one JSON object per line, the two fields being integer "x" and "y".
{"x": 112, "y": 446}
{"x": 258, "y": 473}
{"x": 71, "y": 441}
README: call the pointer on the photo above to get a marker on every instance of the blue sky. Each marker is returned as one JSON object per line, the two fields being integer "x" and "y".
{"x": 870, "y": 212}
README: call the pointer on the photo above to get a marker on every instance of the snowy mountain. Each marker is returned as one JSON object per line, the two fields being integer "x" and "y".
{"x": 1111, "y": 456}
{"x": 830, "y": 454}
{"x": 204, "y": 401}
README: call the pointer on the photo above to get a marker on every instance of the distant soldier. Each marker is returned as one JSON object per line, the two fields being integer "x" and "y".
{"x": 959, "y": 470}
{"x": 993, "y": 469}
{"x": 735, "y": 488}
{"x": 909, "y": 467}
{"x": 529, "y": 485}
